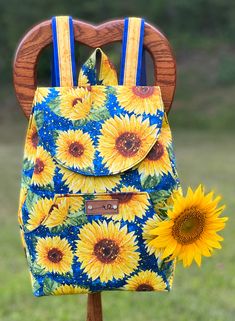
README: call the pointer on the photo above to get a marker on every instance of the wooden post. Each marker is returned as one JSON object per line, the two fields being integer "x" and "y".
{"x": 94, "y": 307}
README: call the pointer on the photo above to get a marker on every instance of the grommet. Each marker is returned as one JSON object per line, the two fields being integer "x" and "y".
{"x": 90, "y": 207}
{"x": 114, "y": 207}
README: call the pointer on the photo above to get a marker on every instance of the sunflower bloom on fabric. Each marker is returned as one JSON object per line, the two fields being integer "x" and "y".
{"x": 190, "y": 231}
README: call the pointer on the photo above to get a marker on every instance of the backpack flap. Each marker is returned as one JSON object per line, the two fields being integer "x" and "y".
{"x": 106, "y": 134}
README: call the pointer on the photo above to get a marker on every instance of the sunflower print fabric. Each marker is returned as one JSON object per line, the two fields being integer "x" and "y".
{"x": 96, "y": 142}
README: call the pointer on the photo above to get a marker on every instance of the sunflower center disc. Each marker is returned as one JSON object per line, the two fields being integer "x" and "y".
{"x": 76, "y": 149}
{"x": 106, "y": 250}
{"x": 122, "y": 197}
{"x": 55, "y": 255}
{"x": 35, "y": 139}
{"x": 156, "y": 152}
{"x": 39, "y": 166}
{"x": 143, "y": 91}
{"x": 76, "y": 100}
{"x": 189, "y": 226}
{"x": 128, "y": 144}
{"x": 53, "y": 207}
{"x": 144, "y": 287}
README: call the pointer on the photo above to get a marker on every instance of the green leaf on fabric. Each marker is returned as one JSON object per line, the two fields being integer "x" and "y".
{"x": 97, "y": 114}
{"x": 37, "y": 269}
{"x": 31, "y": 199}
{"x": 54, "y": 105}
{"x": 36, "y": 286}
{"x": 25, "y": 181}
{"x": 69, "y": 275}
{"x": 27, "y": 164}
{"x": 39, "y": 118}
{"x": 159, "y": 196}
{"x": 80, "y": 122}
{"x": 77, "y": 219}
{"x": 150, "y": 181}
{"x": 112, "y": 90}
{"x": 49, "y": 286}
{"x": 55, "y": 134}
{"x": 57, "y": 229}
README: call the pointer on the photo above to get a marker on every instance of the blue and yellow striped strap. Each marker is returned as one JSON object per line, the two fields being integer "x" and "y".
{"x": 132, "y": 61}
{"x": 63, "y": 67}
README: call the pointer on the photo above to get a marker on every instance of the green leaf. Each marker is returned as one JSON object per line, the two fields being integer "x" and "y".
{"x": 150, "y": 181}
{"x": 159, "y": 196}
{"x": 56, "y": 229}
{"x": 31, "y": 199}
{"x": 112, "y": 90}
{"x": 97, "y": 114}
{"x": 25, "y": 181}
{"x": 80, "y": 122}
{"x": 37, "y": 269}
{"x": 49, "y": 286}
{"x": 27, "y": 164}
{"x": 36, "y": 286}
{"x": 69, "y": 275}
{"x": 39, "y": 118}
{"x": 54, "y": 105}
{"x": 55, "y": 134}
{"x": 77, "y": 219}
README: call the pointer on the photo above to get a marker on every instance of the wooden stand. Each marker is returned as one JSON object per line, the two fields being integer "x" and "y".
{"x": 39, "y": 37}
{"x": 94, "y": 307}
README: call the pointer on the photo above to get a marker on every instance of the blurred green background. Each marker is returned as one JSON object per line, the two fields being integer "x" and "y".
{"x": 201, "y": 33}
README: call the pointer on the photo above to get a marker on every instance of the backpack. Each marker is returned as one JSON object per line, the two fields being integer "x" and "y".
{"x": 98, "y": 169}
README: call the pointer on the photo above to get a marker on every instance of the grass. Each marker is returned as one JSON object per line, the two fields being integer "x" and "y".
{"x": 198, "y": 294}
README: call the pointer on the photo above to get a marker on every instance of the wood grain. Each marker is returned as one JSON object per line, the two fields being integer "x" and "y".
{"x": 29, "y": 49}
{"x": 94, "y": 307}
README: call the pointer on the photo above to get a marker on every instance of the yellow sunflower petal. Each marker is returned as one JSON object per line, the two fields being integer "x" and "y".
{"x": 191, "y": 230}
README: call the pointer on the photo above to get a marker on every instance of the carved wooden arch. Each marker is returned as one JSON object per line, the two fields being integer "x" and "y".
{"x": 39, "y": 37}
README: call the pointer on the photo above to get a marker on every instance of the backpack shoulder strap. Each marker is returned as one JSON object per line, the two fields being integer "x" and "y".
{"x": 63, "y": 67}
{"x": 131, "y": 72}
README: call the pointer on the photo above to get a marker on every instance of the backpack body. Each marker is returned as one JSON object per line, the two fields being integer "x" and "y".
{"x": 98, "y": 172}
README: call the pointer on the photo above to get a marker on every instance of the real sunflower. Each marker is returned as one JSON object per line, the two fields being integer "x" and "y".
{"x": 124, "y": 141}
{"x": 75, "y": 149}
{"x": 131, "y": 203}
{"x": 88, "y": 184}
{"x": 76, "y": 103}
{"x": 44, "y": 168}
{"x": 140, "y": 99}
{"x": 54, "y": 254}
{"x": 107, "y": 251}
{"x": 191, "y": 229}
{"x": 145, "y": 281}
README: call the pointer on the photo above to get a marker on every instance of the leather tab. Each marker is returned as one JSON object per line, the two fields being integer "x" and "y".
{"x": 96, "y": 207}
